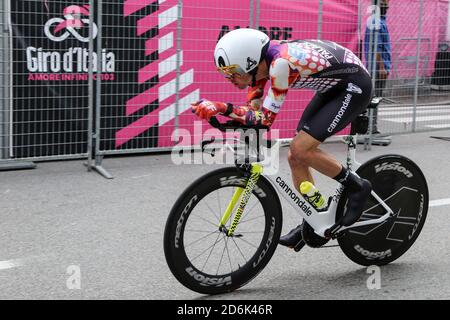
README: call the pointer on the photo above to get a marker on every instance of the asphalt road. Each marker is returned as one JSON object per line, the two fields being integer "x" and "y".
{"x": 70, "y": 234}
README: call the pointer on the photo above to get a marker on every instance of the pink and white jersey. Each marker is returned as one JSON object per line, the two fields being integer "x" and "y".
{"x": 312, "y": 64}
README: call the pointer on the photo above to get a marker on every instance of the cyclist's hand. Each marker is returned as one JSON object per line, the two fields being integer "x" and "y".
{"x": 206, "y": 109}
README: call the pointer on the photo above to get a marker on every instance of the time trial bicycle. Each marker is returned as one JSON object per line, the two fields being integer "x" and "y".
{"x": 224, "y": 228}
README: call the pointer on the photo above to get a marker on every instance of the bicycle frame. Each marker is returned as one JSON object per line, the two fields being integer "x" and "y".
{"x": 321, "y": 221}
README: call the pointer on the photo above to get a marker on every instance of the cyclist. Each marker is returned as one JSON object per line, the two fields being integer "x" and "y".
{"x": 343, "y": 88}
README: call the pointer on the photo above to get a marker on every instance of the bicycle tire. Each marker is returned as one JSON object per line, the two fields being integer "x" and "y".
{"x": 190, "y": 274}
{"x": 402, "y": 185}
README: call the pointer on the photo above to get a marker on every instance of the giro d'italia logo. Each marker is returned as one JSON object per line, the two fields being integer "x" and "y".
{"x": 69, "y": 62}
{"x": 75, "y": 24}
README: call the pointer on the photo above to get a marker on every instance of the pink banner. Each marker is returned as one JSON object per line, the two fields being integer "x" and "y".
{"x": 203, "y": 22}
{"x": 283, "y": 20}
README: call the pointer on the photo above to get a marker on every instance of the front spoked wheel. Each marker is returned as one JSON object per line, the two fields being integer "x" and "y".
{"x": 402, "y": 186}
{"x": 203, "y": 256}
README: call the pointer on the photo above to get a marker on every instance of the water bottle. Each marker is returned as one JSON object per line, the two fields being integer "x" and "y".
{"x": 312, "y": 195}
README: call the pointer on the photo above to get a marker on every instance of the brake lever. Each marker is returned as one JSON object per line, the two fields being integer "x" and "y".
{"x": 213, "y": 151}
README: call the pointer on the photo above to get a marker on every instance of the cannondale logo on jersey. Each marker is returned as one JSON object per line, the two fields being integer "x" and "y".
{"x": 72, "y": 24}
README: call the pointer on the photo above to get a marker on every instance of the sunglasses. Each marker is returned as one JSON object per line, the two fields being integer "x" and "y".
{"x": 231, "y": 71}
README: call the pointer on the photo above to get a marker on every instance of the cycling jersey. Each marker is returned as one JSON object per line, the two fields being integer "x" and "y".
{"x": 312, "y": 64}
{"x": 342, "y": 83}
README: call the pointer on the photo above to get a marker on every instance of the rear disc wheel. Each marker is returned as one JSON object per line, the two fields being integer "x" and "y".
{"x": 401, "y": 184}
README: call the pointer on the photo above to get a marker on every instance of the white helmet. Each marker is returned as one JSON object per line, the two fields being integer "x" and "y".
{"x": 241, "y": 51}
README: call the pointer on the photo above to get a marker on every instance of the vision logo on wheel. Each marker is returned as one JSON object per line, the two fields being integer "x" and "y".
{"x": 373, "y": 255}
{"x": 395, "y": 166}
{"x": 57, "y": 29}
{"x": 209, "y": 281}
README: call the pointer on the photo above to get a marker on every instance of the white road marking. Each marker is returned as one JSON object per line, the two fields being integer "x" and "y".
{"x": 439, "y": 126}
{"x": 442, "y": 107}
{"x": 419, "y": 119}
{"x": 410, "y": 112}
{"x": 440, "y": 202}
{"x": 9, "y": 264}
{"x": 143, "y": 176}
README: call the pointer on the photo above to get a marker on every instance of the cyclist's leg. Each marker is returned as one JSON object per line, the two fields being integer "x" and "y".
{"x": 301, "y": 173}
{"x": 303, "y": 154}
{"x": 325, "y": 115}
{"x": 313, "y": 107}
{"x": 332, "y": 117}
{"x": 341, "y": 109}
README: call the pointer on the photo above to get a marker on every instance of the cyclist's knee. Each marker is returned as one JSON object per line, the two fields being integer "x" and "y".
{"x": 298, "y": 155}
{"x": 302, "y": 149}
{"x": 292, "y": 159}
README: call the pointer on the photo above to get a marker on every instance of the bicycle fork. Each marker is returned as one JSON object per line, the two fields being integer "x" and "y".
{"x": 243, "y": 194}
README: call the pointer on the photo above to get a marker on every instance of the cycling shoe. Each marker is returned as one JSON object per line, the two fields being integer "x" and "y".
{"x": 293, "y": 239}
{"x": 358, "y": 193}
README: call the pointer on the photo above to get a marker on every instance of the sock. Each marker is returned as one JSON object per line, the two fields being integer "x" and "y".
{"x": 342, "y": 177}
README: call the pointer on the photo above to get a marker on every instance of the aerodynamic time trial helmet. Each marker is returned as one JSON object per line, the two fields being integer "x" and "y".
{"x": 241, "y": 51}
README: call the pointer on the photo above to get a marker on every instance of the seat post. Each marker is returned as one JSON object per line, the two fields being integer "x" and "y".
{"x": 371, "y": 109}
{"x": 350, "y": 141}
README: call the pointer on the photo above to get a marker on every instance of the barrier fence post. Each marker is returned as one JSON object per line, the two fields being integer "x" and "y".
{"x": 6, "y": 163}
{"x": 98, "y": 91}
{"x": 4, "y": 100}
{"x": 373, "y": 46}
{"x": 320, "y": 20}
{"x": 253, "y": 17}
{"x": 257, "y": 6}
{"x": 416, "y": 85}
{"x": 178, "y": 69}
{"x": 360, "y": 46}
{"x": 95, "y": 96}
{"x": 98, "y": 95}
{"x": 90, "y": 85}
{"x": 258, "y": 11}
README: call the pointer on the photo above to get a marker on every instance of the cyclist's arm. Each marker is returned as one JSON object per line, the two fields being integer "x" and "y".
{"x": 255, "y": 94}
{"x": 249, "y": 115}
{"x": 280, "y": 73}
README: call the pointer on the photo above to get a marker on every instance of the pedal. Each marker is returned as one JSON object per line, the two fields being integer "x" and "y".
{"x": 299, "y": 245}
{"x": 333, "y": 231}
{"x": 312, "y": 239}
